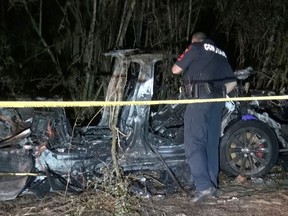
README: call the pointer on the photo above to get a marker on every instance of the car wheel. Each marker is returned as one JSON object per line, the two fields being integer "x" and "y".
{"x": 248, "y": 148}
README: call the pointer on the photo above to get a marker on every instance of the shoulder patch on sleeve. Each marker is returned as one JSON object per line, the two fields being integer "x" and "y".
{"x": 183, "y": 54}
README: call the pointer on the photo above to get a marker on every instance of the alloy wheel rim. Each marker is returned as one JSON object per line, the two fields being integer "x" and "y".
{"x": 248, "y": 151}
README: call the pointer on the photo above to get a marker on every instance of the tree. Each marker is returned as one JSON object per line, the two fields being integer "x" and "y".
{"x": 258, "y": 30}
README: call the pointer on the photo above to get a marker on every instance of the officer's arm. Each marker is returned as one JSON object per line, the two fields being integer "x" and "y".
{"x": 183, "y": 61}
{"x": 176, "y": 69}
{"x": 230, "y": 86}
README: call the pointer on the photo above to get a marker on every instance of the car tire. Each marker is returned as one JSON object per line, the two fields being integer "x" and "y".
{"x": 248, "y": 148}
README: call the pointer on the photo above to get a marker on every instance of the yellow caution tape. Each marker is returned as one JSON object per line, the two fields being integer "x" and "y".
{"x": 26, "y": 104}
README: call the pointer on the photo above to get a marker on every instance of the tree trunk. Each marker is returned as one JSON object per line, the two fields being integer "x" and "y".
{"x": 126, "y": 17}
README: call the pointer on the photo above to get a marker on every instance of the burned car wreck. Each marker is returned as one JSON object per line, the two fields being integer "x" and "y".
{"x": 39, "y": 148}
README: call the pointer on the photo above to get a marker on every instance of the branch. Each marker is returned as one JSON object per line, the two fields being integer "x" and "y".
{"x": 126, "y": 17}
{"x": 58, "y": 68}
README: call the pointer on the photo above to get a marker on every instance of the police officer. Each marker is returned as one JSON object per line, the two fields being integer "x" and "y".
{"x": 206, "y": 74}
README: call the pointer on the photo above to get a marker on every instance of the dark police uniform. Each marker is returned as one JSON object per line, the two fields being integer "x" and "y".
{"x": 202, "y": 63}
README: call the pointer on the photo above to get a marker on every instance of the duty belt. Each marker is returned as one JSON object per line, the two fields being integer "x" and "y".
{"x": 198, "y": 90}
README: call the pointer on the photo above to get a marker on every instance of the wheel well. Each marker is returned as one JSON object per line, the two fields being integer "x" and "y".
{"x": 236, "y": 121}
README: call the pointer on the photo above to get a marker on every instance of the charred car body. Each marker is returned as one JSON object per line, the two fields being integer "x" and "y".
{"x": 41, "y": 141}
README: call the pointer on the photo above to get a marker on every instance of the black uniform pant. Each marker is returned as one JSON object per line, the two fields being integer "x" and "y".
{"x": 202, "y": 127}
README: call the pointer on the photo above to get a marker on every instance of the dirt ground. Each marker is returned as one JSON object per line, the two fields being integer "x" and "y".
{"x": 265, "y": 197}
{"x": 256, "y": 196}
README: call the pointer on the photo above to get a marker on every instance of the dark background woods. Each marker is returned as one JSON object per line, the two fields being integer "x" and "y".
{"x": 50, "y": 47}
